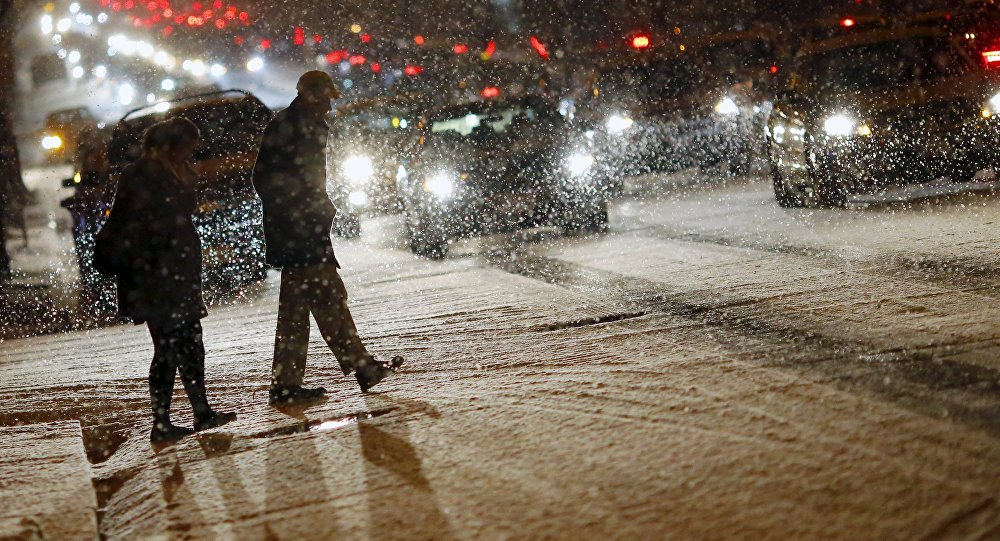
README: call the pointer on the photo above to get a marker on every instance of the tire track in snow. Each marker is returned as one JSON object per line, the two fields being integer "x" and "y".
{"x": 967, "y": 274}
{"x": 912, "y": 378}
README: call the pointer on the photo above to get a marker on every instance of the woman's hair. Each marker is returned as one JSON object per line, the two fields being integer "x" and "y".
{"x": 169, "y": 133}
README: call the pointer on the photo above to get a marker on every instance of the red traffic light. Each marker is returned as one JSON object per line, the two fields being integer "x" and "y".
{"x": 640, "y": 41}
{"x": 460, "y": 48}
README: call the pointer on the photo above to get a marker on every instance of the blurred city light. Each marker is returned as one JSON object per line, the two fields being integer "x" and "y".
{"x": 640, "y": 41}
{"x": 77, "y": 72}
{"x": 63, "y": 25}
{"x": 539, "y": 47}
{"x": 126, "y": 94}
{"x": 217, "y": 70}
{"x": 167, "y": 84}
{"x": 100, "y": 72}
{"x": 198, "y": 68}
{"x": 73, "y": 57}
{"x": 46, "y": 24}
{"x": 51, "y": 142}
{"x": 255, "y": 64}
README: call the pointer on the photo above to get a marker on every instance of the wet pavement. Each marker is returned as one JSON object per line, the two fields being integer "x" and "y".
{"x": 713, "y": 367}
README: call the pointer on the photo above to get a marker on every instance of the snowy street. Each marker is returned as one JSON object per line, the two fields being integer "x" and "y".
{"x": 714, "y": 367}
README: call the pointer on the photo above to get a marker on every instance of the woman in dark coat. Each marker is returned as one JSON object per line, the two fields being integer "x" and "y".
{"x": 151, "y": 246}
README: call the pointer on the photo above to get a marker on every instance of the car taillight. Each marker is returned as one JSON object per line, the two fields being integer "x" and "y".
{"x": 991, "y": 58}
{"x": 490, "y": 92}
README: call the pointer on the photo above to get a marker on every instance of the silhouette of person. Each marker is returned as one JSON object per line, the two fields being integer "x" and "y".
{"x": 290, "y": 178}
{"x": 151, "y": 246}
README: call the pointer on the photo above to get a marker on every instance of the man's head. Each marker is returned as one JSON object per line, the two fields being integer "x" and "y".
{"x": 317, "y": 88}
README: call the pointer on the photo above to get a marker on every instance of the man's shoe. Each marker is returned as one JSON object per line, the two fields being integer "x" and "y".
{"x": 374, "y": 371}
{"x": 293, "y": 394}
{"x": 214, "y": 420}
{"x": 167, "y": 433}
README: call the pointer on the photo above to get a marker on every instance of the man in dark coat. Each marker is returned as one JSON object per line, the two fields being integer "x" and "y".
{"x": 290, "y": 178}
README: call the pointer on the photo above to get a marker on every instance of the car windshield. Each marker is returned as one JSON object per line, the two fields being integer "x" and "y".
{"x": 486, "y": 123}
{"x": 736, "y": 55}
{"x": 650, "y": 80}
{"x": 885, "y": 64}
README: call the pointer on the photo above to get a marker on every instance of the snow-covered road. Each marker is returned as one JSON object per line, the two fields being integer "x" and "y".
{"x": 712, "y": 368}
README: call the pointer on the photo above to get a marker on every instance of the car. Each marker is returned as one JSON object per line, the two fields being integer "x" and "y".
{"x": 661, "y": 112}
{"x": 61, "y": 136}
{"x": 745, "y": 64}
{"x": 369, "y": 142}
{"x": 229, "y": 218}
{"x": 868, "y": 110}
{"x": 497, "y": 165}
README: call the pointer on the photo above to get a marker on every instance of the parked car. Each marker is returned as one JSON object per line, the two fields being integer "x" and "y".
{"x": 229, "y": 218}
{"x": 866, "y": 110}
{"x": 497, "y": 165}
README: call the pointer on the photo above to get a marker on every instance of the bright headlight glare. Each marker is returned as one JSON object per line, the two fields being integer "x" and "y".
{"x": 579, "y": 163}
{"x": 358, "y": 169}
{"x": 619, "y": 123}
{"x": 839, "y": 126}
{"x": 357, "y": 198}
{"x": 52, "y": 142}
{"x": 727, "y": 106}
{"x": 994, "y": 104}
{"x": 440, "y": 185}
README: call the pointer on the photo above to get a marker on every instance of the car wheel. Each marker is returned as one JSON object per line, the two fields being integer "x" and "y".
{"x": 738, "y": 164}
{"x": 830, "y": 188}
{"x": 830, "y": 191}
{"x": 427, "y": 238}
{"x": 785, "y": 197}
{"x": 962, "y": 173}
{"x": 591, "y": 218}
{"x": 349, "y": 227}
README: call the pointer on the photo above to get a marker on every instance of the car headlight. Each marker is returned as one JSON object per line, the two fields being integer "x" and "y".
{"x": 358, "y": 169}
{"x": 357, "y": 199}
{"x": 579, "y": 163}
{"x": 727, "y": 106}
{"x": 844, "y": 126}
{"x": 52, "y": 142}
{"x": 618, "y": 123}
{"x": 839, "y": 125}
{"x": 440, "y": 185}
{"x": 992, "y": 107}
